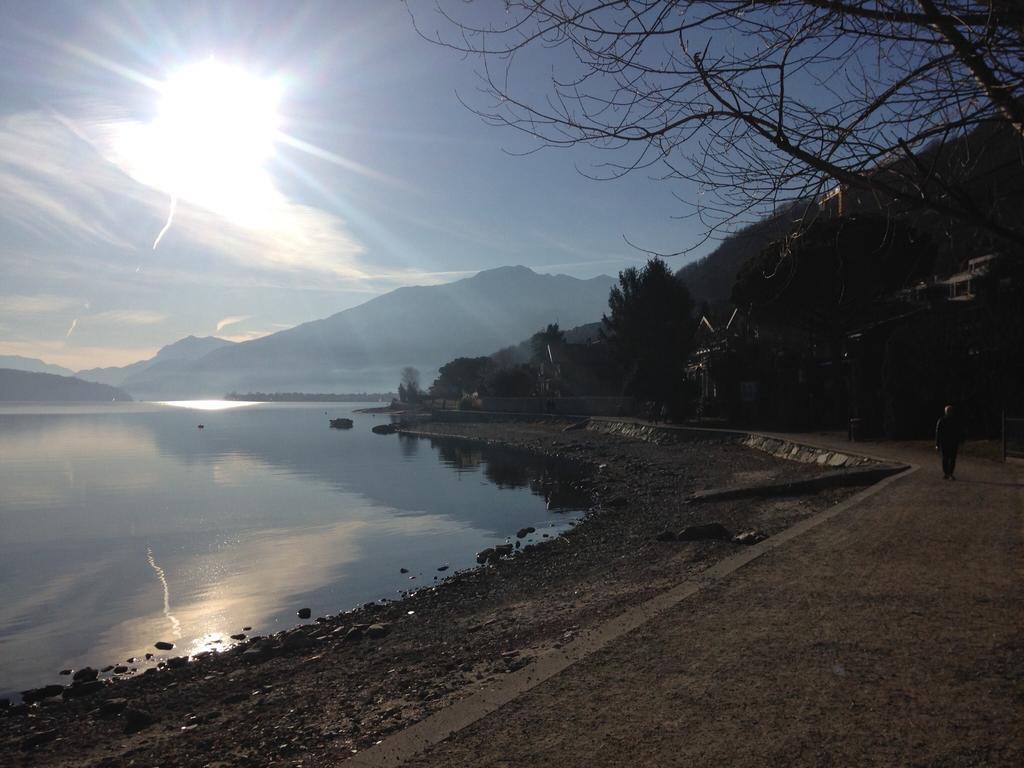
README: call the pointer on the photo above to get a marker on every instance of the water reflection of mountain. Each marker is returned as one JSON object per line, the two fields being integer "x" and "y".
{"x": 388, "y": 472}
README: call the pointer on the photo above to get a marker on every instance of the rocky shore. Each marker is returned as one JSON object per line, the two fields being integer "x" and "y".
{"x": 322, "y": 691}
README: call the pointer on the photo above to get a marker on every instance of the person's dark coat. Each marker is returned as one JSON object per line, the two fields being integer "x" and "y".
{"x": 948, "y": 433}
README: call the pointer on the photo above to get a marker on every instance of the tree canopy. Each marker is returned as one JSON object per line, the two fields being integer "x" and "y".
{"x": 551, "y": 338}
{"x": 463, "y": 375}
{"x": 650, "y": 329}
{"x": 760, "y": 103}
{"x": 821, "y": 277}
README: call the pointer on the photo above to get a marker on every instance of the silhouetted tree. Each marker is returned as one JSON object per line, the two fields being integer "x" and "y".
{"x": 760, "y": 103}
{"x": 551, "y": 338}
{"x": 411, "y": 380}
{"x": 822, "y": 278}
{"x": 463, "y": 375}
{"x": 650, "y": 329}
{"x": 515, "y": 381}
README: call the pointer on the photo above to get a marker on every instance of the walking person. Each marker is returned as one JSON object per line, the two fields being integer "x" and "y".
{"x": 948, "y": 436}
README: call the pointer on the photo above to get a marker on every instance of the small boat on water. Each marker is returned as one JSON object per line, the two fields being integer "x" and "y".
{"x": 341, "y": 423}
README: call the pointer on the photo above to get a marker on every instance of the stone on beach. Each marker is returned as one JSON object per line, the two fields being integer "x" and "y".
{"x": 712, "y": 531}
{"x": 163, "y": 645}
{"x": 136, "y": 720}
{"x": 38, "y": 694}
{"x": 305, "y": 613}
{"x": 84, "y": 674}
{"x": 749, "y": 537}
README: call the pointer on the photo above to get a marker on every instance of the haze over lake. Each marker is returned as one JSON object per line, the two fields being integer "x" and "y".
{"x": 125, "y": 524}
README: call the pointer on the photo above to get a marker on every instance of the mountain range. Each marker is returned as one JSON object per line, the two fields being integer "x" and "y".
{"x": 365, "y": 347}
{"x": 31, "y": 364}
{"x": 168, "y": 360}
{"x": 35, "y": 387}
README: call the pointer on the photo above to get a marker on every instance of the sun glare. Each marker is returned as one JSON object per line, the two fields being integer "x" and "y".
{"x": 213, "y": 134}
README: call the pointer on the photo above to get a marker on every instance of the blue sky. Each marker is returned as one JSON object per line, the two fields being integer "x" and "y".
{"x": 403, "y": 185}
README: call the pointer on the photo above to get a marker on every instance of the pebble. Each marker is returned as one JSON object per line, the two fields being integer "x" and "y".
{"x": 163, "y": 645}
{"x": 305, "y": 613}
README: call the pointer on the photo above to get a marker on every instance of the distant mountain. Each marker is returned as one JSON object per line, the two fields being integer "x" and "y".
{"x": 26, "y": 386}
{"x": 168, "y": 360}
{"x": 19, "y": 363}
{"x": 365, "y": 347}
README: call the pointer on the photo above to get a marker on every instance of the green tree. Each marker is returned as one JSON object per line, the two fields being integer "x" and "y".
{"x": 650, "y": 329}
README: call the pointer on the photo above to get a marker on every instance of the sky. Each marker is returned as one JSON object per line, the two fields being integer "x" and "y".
{"x": 355, "y": 170}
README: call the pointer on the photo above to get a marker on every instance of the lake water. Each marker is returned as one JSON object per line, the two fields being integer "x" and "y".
{"x": 125, "y": 524}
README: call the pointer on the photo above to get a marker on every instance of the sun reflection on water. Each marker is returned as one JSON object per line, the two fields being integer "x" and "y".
{"x": 207, "y": 405}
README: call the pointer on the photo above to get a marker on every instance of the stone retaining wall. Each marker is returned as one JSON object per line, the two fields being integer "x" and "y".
{"x": 779, "y": 447}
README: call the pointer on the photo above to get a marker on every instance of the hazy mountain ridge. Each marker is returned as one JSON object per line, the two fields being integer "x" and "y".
{"x": 167, "y": 360}
{"x": 32, "y": 364}
{"x": 29, "y": 386}
{"x": 365, "y": 347}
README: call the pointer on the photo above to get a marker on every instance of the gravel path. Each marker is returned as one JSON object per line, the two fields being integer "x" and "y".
{"x": 893, "y": 634}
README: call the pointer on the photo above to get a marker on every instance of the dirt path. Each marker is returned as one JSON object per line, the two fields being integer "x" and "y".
{"x": 893, "y": 634}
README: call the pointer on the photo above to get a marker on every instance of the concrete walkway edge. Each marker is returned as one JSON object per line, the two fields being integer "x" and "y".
{"x": 405, "y": 744}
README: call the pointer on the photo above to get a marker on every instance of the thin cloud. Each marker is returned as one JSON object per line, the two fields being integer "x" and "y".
{"x": 129, "y": 317}
{"x": 38, "y": 304}
{"x": 231, "y": 320}
{"x": 247, "y": 336}
{"x": 75, "y": 180}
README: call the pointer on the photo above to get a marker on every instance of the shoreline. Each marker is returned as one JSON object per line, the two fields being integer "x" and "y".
{"x": 342, "y": 682}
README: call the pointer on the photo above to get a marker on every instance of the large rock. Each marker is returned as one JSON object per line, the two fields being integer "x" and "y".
{"x": 112, "y": 707}
{"x": 33, "y": 695}
{"x": 377, "y": 630}
{"x": 83, "y": 688}
{"x": 84, "y": 674}
{"x": 524, "y": 532}
{"x": 486, "y": 555}
{"x": 137, "y": 719}
{"x": 305, "y": 613}
{"x": 163, "y": 645}
{"x": 38, "y": 738}
{"x": 705, "y": 532}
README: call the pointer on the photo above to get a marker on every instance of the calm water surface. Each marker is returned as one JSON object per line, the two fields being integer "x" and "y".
{"x": 124, "y": 524}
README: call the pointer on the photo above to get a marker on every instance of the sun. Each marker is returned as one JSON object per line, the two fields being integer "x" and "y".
{"x": 214, "y": 132}
{"x": 217, "y": 118}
